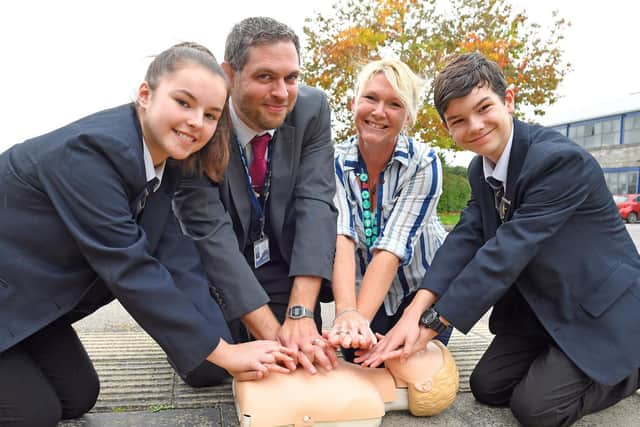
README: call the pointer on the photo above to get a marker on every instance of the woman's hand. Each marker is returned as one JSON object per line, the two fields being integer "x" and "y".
{"x": 252, "y": 360}
{"x": 351, "y": 330}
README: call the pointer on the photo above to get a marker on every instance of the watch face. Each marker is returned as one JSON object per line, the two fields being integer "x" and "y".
{"x": 428, "y": 317}
{"x": 297, "y": 311}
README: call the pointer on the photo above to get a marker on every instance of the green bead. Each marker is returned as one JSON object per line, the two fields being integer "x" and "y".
{"x": 368, "y": 232}
{"x": 365, "y": 194}
{"x": 368, "y": 242}
{"x": 375, "y": 230}
{"x": 366, "y": 204}
{"x": 364, "y": 177}
{"x": 374, "y": 220}
{"x": 366, "y": 214}
{"x": 367, "y": 222}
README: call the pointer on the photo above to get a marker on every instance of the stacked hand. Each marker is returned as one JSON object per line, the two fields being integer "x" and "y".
{"x": 404, "y": 339}
{"x": 351, "y": 330}
{"x": 308, "y": 347}
{"x": 253, "y": 360}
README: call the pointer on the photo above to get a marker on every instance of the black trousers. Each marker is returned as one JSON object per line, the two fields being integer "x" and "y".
{"x": 46, "y": 378}
{"x": 539, "y": 383}
{"x": 208, "y": 374}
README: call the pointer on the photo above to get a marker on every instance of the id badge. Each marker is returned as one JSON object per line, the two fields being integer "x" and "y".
{"x": 261, "y": 254}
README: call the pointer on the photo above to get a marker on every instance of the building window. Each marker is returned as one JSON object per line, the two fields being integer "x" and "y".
{"x": 632, "y": 129}
{"x": 622, "y": 182}
{"x": 596, "y": 134}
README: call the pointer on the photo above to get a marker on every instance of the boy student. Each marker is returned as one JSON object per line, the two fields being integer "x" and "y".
{"x": 541, "y": 242}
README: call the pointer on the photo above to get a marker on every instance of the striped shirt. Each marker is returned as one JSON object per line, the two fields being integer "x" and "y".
{"x": 409, "y": 226}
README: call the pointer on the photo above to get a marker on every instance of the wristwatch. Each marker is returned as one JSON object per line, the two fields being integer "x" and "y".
{"x": 431, "y": 319}
{"x": 299, "y": 312}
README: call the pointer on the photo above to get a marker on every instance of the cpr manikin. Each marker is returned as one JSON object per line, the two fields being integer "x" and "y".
{"x": 350, "y": 395}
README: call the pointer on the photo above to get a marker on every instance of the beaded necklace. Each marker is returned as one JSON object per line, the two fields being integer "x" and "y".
{"x": 369, "y": 219}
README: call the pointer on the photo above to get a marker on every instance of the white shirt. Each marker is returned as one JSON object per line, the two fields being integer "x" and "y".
{"x": 244, "y": 133}
{"x": 499, "y": 170}
{"x": 150, "y": 170}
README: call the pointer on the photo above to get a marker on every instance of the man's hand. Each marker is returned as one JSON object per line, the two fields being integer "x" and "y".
{"x": 302, "y": 337}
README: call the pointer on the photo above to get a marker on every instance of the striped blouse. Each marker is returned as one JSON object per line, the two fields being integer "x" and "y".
{"x": 409, "y": 226}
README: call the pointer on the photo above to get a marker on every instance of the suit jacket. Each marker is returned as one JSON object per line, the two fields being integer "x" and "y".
{"x": 300, "y": 208}
{"x": 69, "y": 235}
{"x": 563, "y": 250}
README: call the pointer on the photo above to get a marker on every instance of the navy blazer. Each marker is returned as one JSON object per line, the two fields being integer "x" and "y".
{"x": 301, "y": 211}
{"x": 563, "y": 247}
{"x": 70, "y": 223}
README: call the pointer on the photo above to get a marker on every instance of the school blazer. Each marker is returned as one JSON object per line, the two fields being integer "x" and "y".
{"x": 301, "y": 211}
{"x": 71, "y": 221}
{"x": 563, "y": 247}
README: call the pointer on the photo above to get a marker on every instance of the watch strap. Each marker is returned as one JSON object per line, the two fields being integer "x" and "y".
{"x": 431, "y": 319}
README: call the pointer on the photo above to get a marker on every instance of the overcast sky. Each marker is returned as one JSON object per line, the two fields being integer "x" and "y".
{"x": 62, "y": 59}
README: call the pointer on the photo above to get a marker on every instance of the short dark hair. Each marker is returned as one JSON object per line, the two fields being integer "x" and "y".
{"x": 212, "y": 159}
{"x": 463, "y": 74}
{"x": 255, "y": 31}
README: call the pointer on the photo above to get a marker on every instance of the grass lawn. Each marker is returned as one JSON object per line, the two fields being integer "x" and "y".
{"x": 449, "y": 218}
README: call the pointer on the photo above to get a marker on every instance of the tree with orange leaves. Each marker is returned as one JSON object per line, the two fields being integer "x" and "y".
{"x": 423, "y": 34}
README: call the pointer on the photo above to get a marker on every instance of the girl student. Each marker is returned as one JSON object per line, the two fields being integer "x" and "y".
{"x": 85, "y": 216}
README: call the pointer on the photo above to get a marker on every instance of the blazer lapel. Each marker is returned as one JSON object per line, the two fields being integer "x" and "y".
{"x": 236, "y": 179}
{"x": 154, "y": 216}
{"x": 283, "y": 170}
{"x": 490, "y": 218}
{"x": 519, "y": 148}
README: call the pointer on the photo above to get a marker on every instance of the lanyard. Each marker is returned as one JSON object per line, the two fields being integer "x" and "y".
{"x": 258, "y": 207}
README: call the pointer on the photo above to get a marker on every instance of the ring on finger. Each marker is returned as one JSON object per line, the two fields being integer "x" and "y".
{"x": 316, "y": 341}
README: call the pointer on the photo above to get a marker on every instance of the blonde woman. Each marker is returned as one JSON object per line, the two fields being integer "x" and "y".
{"x": 388, "y": 186}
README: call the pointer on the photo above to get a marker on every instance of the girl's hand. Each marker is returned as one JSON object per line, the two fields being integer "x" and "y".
{"x": 253, "y": 360}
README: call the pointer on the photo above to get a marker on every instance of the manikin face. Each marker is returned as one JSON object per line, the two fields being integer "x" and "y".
{"x": 266, "y": 88}
{"x": 180, "y": 116}
{"x": 379, "y": 113}
{"x": 481, "y": 122}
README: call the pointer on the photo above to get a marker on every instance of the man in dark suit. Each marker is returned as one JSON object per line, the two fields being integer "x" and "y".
{"x": 278, "y": 191}
{"x": 542, "y": 242}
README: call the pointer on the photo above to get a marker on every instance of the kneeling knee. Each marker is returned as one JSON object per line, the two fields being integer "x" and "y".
{"x": 528, "y": 410}
{"x": 46, "y": 412}
{"x": 84, "y": 398}
{"x": 483, "y": 389}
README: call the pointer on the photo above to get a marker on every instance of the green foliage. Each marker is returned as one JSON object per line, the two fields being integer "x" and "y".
{"x": 455, "y": 189}
{"x": 424, "y": 34}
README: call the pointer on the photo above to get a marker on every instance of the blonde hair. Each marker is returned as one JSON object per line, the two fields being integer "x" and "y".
{"x": 407, "y": 85}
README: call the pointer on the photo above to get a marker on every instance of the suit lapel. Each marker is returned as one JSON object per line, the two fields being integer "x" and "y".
{"x": 283, "y": 170}
{"x": 236, "y": 179}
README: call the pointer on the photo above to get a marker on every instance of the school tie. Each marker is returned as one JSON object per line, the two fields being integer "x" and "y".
{"x": 498, "y": 194}
{"x": 258, "y": 168}
{"x": 149, "y": 188}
